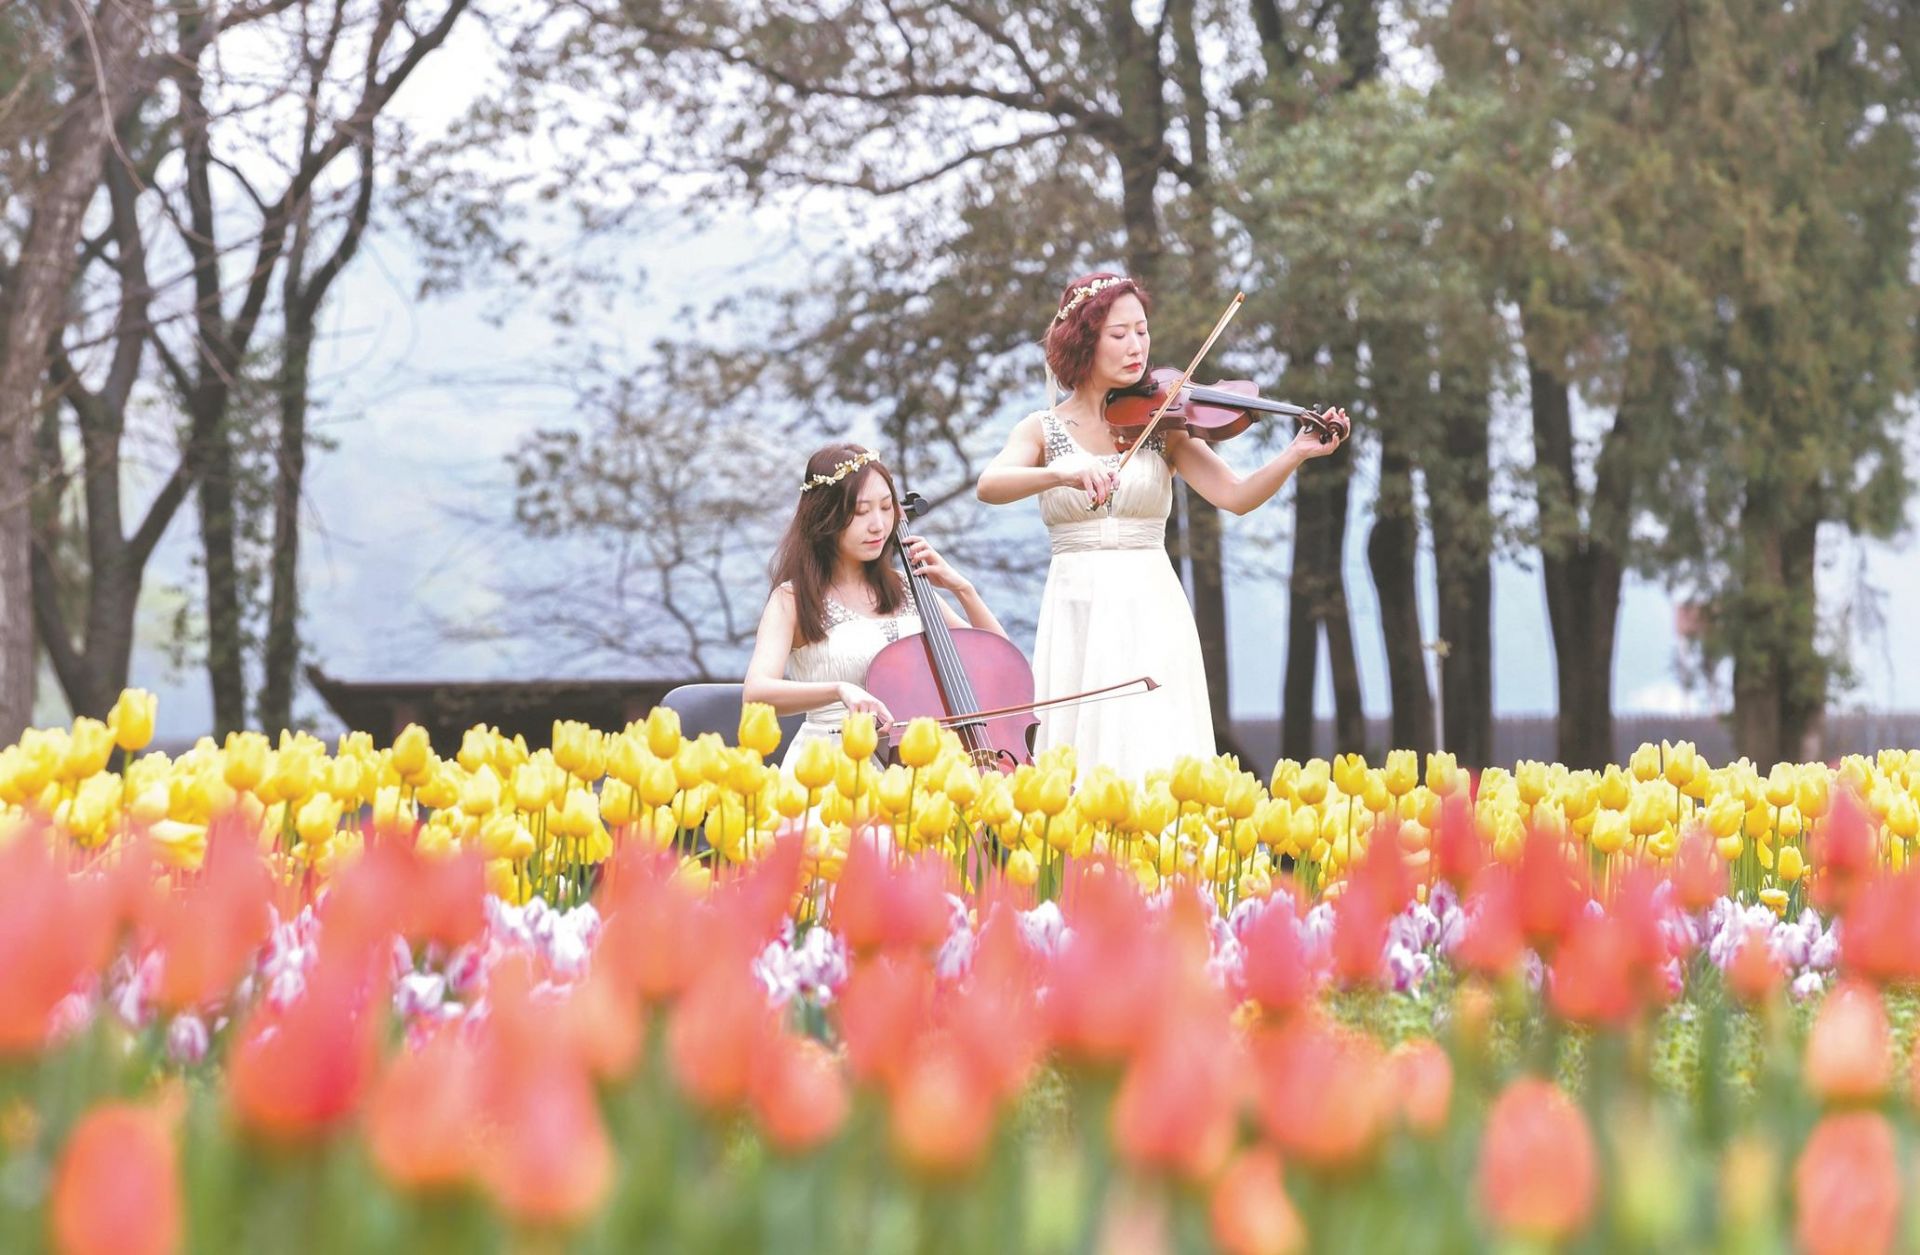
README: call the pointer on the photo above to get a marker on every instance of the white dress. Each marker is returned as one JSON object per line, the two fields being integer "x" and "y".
{"x": 843, "y": 657}
{"x": 1114, "y": 609}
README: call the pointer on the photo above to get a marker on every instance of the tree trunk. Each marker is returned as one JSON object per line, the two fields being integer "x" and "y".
{"x": 282, "y": 658}
{"x": 1349, "y": 709}
{"x": 1308, "y": 588}
{"x": 1392, "y": 550}
{"x": 1580, "y": 568}
{"x": 32, "y": 308}
{"x": 1463, "y": 557}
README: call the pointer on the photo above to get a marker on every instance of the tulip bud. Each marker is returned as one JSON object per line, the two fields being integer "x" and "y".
{"x": 663, "y": 731}
{"x": 920, "y": 743}
{"x": 858, "y": 736}
{"x": 759, "y": 728}
{"x": 132, "y": 719}
{"x": 412, "y": 754}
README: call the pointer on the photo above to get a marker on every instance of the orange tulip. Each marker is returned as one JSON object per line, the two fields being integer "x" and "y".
{"x": 1179, "y": 1103}
{"x": 209, "y": 930}
{"x": 1846, "y": 1186}
{"x": 1322, "y": 1093}
{"x": 1252, "y": 1214}
{"x": 1537, "y": 1171}
{"x": 54, "y": 931}
{"x": 1422, "y": 1079}
{"x": 116, "y": 1190}
{"x": 942, "y": 1115}
{"x": 884, "y": 1010}
{"x": 1848, "y": 1053}
{"x": 717, "y": 1036}
{"x": 799, "y": 1094}
{"x": 420, "y": 1115}
{"x": 300, "y": 1072}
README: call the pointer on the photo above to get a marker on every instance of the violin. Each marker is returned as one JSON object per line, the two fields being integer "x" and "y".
{"x": 974, "y": 681}
{"x": 1211, "y": 412}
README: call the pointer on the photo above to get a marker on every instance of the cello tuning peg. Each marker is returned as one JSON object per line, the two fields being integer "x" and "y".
{"x": 913, "y": 505}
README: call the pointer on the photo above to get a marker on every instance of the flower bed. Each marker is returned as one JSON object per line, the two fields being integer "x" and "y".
{"x": 645, "y": 992}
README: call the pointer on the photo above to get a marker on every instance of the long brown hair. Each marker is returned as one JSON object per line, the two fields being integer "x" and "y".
{"x": 1069, "y": 341}
{"x": 807, "y": 552}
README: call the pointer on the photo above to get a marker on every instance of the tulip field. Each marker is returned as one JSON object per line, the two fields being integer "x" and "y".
{"x": 641, "y": 991}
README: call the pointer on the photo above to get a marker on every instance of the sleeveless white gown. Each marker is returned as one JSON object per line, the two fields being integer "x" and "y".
{"x": 843, "y": 657}
{"x": 1114, "y": 609}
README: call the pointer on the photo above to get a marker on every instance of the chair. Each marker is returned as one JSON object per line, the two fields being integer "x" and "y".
{"x": 716, "y": 708}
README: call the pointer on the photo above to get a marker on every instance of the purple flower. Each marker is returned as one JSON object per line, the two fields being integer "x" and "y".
{"x": 187, "y": 1039}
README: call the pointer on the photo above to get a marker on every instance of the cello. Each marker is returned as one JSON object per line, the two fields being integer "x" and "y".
{"x": 974, "y": 681}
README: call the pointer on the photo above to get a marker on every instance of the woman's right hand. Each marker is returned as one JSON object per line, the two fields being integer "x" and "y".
{"x": 1091, "y": 478}
{"x": 859, "y": 701}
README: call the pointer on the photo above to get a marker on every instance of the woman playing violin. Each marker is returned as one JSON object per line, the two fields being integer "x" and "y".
{"x": 1113, "y": 607}
{"x": 839, "y": 598}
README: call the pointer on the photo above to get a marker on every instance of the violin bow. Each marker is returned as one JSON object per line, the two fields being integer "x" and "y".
{"x": 1186, "y": 377}
{"x": 1104, "y": 693}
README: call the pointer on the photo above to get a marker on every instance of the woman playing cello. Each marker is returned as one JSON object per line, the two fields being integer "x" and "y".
{"x": 1113, "y": 606}
{"x": 838, "y": 598}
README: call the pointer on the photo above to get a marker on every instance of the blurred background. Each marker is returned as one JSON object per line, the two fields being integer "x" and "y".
{"x": 367, "y": 361}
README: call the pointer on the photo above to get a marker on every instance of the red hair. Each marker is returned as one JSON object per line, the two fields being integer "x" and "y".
{"x": 1070, "y": 341}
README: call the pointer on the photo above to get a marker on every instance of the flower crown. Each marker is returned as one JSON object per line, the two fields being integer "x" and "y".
{"x": 840, "y": 471}
{"x": 1082, "y": 293}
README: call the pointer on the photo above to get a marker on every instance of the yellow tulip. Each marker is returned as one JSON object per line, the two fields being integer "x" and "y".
{"x": 88, "y": 813}
{"x": 1791, "y": 864}
{"x": 663, "y": 731}
{"x": 1812, "y": 791}
{"x": 896, "y": 789}
{"x": 1644, "y": 762}
{"x": 388, "y": 811}
{"x": 149, "y": 805}
{"x": 1188, "y": 783}
{"x": 178, "y": 845}
{"x": 441, "y": 789}
{"x": 1725, "y": 815}
{"x": 1611, "y": 832}
{"x": 412, "y": 754}
{"x": 480, "y": 792}
{"x": 994, "y": 806}
{"x": 1444, "y": 776}
{"x": 858, "y": 736}
{"x": 1401, "y": 772}
{"x": 1530, "y": 777}
{"x": 88, "y": 747}
{"x": 1022, "y": 868}
{"x": 1649, "y": 810}
{"x": 1051, "y": 797}
{"x": 814, "y": 762}
{"x": 1730, "y": 846}
{"x": 789, "y": 797}
{"x": 1286, "y": 773}
{"x": 1243, "y": 794}
{"x": 1682, "y": 762}
{"x": 963, "y": 784}
{"x": 920, "y": 743}
{"x": 1350, "y": 773}
{"x": 1903, "y": 818}
{"x": 1105, "y": 797}
{"x": 1315, "y": 776}
{"x": 132, "y": 719}
{"x": 934, "y": 816}
{"x": 317, "y": 819}
{"x": 1774, "y": 899}
{"x": 1375, "y": 796}
{"x": 759, "y": 728}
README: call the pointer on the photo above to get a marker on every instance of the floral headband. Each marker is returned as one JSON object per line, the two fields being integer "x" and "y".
{"x": 841, "y": 471}
{"x": 1082, "y": 293}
